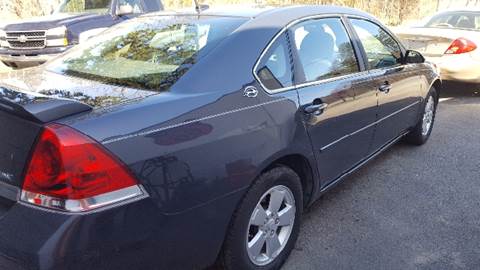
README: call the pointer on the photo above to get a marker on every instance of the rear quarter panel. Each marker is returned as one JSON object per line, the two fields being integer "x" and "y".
{"x": 197, "y": 163}
{"x": 208, "y": 151}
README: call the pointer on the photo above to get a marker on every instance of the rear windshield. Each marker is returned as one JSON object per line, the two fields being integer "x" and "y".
{"x": 150, "y": 53}
{"x": 81, "y": 6}
{"x": 459, "y": 20}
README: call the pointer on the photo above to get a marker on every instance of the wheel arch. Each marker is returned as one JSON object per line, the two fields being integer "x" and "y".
{"x": 303, "y": 168}
{"x": 301, "y": 165}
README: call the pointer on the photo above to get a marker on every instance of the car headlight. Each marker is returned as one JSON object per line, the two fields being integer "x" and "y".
{"x": 57, "y": 32}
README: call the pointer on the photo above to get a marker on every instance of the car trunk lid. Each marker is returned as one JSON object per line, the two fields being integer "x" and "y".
{"x": 433, "y": 42}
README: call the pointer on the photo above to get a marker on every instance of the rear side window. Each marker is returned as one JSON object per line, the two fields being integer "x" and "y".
{"x": 275, "y": 68}
{"x": 466, "y": 20}
{"x": 324, "y": 49}
{"x": 382, "y": 50}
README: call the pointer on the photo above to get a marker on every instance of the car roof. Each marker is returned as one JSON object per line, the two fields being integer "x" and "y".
{"x": 252, "y": 12}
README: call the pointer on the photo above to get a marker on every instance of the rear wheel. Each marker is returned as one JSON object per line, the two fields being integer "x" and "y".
{"x": 266, "y": 224}
{"x": 421, "y": 132}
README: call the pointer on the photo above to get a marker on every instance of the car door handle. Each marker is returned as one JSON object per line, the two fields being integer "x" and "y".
{"x": 385, "y": 88}
{"x": 316, "y": 109}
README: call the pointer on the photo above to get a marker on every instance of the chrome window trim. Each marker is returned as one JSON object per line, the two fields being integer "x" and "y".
{"x": 264, "y": 52}
{"x": 368, "y": 126}
{"x": 281, "y": 32}
{"x": 333, "y": 79}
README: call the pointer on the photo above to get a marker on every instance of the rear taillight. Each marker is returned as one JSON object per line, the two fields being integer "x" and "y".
{"x": 71, "y": 172}
{"x": 461, "y": 45}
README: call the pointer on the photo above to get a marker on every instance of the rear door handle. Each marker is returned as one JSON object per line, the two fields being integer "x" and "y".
{"x": 385, "y": 87}
{"x": 316, "y": 109}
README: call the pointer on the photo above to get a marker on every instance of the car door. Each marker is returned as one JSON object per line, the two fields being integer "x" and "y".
{"x": 398, "y": 84}
{"x": 336, "y": 97}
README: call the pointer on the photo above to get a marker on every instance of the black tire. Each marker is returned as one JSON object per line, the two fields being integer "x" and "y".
{"x": 417, "y": 136}
{"x": 234, "y": 255}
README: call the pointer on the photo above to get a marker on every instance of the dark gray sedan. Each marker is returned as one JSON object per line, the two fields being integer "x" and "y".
{"x": 177, "y": 141}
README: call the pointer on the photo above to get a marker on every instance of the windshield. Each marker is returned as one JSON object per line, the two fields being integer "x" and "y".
{"x": 82, "y": 6}
{"x": 150, "y": 53}
{"x": 459, "y": 20}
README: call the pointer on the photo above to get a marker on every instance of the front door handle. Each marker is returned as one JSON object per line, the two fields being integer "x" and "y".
{"x": 316, "y": 109}
{"x": 385, "y": 87}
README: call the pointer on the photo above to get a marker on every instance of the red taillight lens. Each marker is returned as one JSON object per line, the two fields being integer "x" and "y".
{"x": 461, "y": 45}
{"x": 67, "y": 167}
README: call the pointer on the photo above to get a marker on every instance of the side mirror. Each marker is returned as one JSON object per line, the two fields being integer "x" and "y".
{"x": 124, "y": 10}
{"x": 414, "y": 57}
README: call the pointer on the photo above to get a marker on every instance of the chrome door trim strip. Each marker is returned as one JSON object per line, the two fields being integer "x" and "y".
{"x": 368, "y": 126}
{"x": 361, "y": 164}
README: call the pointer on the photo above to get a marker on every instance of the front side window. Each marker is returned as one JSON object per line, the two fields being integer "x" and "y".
{"x": 150, "y": 53}
{"x": 275, "y": 69}
{"x": 324, "y": 49}
{"x": 381, "y": 49}
{"x": 81, "y": 6}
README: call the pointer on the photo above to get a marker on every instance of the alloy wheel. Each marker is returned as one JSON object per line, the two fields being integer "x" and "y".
{"x": 271, "y": 225}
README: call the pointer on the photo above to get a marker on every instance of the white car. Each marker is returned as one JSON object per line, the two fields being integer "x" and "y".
{"x": 450, "y": 39}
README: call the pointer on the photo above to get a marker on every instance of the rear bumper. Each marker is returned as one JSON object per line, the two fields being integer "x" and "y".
{"x": 461, "y": 68}
{"x": 132, "y": 236}
{"x": 29, "y": 58}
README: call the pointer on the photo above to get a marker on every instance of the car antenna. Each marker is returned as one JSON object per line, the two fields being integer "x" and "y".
{"x": 198, "y": 8}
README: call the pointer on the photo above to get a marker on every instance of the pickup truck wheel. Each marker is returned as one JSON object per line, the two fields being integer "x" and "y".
{"x": 266, "y": 224}
{"x": 421, "y": 132}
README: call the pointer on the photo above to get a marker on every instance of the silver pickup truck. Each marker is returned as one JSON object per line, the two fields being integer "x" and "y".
{"x": 32, "y": 42}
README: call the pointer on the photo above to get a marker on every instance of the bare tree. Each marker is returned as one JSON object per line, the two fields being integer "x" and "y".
{"x": 392, "y": 12}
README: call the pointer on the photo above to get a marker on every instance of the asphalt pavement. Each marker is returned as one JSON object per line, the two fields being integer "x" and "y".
{"x": 410, "y": 208}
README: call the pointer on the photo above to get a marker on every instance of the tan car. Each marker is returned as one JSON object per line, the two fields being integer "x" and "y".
{"x": 450, "y": 40}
